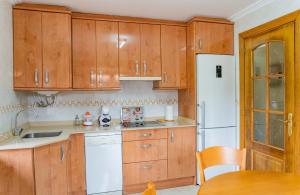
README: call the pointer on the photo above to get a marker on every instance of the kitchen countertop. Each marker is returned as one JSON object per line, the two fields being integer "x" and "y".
{"x": 67, "y": 128}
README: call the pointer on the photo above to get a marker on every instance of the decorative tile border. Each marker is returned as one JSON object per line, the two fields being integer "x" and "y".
{"x": 4, "y": 109}
{"x": 115, "y": 102}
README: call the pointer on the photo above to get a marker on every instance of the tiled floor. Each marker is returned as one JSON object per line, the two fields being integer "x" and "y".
{"x": 187, "y": 190}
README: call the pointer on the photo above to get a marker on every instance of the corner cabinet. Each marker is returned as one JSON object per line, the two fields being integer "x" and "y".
{"x": 164, "y": 156}
{"x": 54, "y": 169}
{"x": 95, "y": 66}
{"x": 139, "y": 50}
{"x": 173, "y": 55}
{"x": 42, "y": 49}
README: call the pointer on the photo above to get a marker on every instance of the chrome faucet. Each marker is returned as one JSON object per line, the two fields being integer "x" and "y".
{"x": 16, "y": 131}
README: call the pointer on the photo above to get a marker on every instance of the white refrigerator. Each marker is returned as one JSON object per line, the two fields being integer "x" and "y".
{"x": 216, "y": 106}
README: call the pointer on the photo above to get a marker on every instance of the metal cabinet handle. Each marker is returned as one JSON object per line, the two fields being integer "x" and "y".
{"x": 146, "y": 135}
{"x": 145, "y": 67}
{"x": 172, "y": 136}
{"x": 147, "y": 167}
{"x": 200, "y": 43}
{"x": 62, "y": 152}
{"x": 46, "y": 77}
{"x": 36, "y": 77}
{"x": 137, "y": 67}
{"x": 100, "y": 78}
{"x": 146, "y": 146}
{"x": 92, "y": 77}
{"x": 165, "y": 77}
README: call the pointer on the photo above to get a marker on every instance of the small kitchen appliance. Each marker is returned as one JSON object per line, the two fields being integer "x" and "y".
{"x": 88, "y": 119}
{"x": 105, "y": 118}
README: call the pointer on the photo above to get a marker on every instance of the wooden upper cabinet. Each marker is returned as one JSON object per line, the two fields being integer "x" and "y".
{"x": 27, "y": 49}
{"x": 181, "y": 152}
{"x": 129, "y": 49}
{"x": 173, "y": 55}
{"x": 214, "y": 38}
{"x": 150, "y": 50}
{"x": 84, "y": 54}
{"x": 50, "y": 164}
{"x": 56, "y": 31}
{"x": 42, "y": 48}
{"x": 107, "y": 54}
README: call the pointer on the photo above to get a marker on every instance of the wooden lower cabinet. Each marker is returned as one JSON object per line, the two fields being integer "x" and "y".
{"x": 142, "y": 172}
{"x": 16, "y": 172}
{"x": 54, "y": 169}
{"x": 181, "y": 152}
{"x": 146, "y": 150}
{"x": 163, "y": 156}
{"x": 50, "y": 165}
{"x": 76, "y": 165}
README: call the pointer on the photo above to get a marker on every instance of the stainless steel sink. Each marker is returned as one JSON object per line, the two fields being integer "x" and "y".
{"x": 42, "y": 134}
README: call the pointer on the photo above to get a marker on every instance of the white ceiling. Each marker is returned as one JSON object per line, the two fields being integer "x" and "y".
{"x": 161, "y": 9}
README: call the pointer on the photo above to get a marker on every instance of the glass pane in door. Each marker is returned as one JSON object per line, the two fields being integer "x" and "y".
{"x": 259, "y": 94}
{"x": 277, "y": 130}
{"x": 276, "y": 86}
{"x": 276, "y": 57}
{"x": 259, "y": 126}
{"x": 259, "y": 60}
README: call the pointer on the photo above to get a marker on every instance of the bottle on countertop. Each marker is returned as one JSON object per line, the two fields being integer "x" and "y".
{"x": 77, "y": 121}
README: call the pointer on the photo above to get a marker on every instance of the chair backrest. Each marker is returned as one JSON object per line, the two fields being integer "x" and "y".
{"x": 150, "y": 189}
{"x": 220, "y": 156}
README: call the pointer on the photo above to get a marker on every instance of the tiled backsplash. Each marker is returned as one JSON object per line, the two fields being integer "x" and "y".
{"x": 132, "y": 93}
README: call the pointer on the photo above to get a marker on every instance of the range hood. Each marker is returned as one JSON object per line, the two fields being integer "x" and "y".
{"x": 140, "y": 78}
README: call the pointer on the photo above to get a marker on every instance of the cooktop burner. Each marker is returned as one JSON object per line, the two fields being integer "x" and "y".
{"x": 141, "y": 124}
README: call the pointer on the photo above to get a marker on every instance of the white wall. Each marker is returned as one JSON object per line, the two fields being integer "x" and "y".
{"x": 10, "y": 102}
{"x": 273, "y": 10}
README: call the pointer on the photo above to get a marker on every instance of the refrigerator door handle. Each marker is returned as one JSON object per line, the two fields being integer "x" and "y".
{"x": 202, "y": 111}
{"x": 201, "y": 133}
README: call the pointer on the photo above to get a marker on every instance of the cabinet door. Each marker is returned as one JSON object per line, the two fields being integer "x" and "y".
{"x": 129, "y": 49}
{"x": 173, "y": 50}
{"x": 107, "y": 55}
{"x": 51, "y": 169}
{"x": 16, "y": 172}
{"x": 181, "y": 152}
{"x": 84, "y": 53}
{"x": 214, "y": 38}
{"x": 76, "y": 165}
{"x": 56, "y": 30}
{"x": 27, "y": 49}
{"x": 150, "y": 50}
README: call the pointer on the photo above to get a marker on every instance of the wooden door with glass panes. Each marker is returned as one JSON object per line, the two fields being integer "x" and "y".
{"x": 269, "y": 100}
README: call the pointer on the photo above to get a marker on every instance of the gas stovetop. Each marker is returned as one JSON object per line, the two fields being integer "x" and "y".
{"x": 141, "y": 124}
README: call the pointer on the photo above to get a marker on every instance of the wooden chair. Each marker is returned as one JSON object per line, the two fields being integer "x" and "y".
{"x": 220, "y": 156}
{"x": 150, "y": 189}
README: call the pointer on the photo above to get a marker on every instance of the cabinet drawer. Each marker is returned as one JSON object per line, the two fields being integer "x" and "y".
{"x": 145, "y": 150}
{"x": 134, "y": 135}
{"x": 136, "y": 173}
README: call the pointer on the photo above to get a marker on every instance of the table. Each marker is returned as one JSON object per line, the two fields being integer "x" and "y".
{"x": 252, "y": 182}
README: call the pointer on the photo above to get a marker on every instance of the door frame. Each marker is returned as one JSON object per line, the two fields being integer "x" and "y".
{"x": 265, "y": 28}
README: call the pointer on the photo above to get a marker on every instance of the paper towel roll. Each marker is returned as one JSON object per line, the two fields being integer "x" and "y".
{"x": 169, "y": 113}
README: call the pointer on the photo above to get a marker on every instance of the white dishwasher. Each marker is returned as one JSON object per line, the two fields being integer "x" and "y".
{"x": 103, "y": 153}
